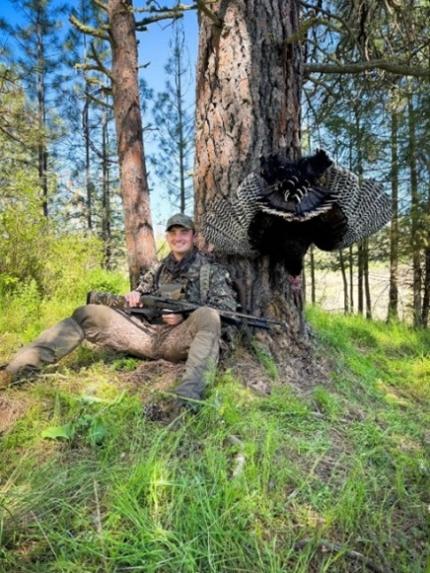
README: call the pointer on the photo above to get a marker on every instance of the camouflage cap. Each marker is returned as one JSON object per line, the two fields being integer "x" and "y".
{"x": 181, "y": 220}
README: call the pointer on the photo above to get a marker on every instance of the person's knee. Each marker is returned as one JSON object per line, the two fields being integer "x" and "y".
{"x": 91, "y": 314}
{"x": 207, "y": 318}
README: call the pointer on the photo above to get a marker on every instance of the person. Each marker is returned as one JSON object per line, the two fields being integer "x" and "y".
{"x": 185, "y": 273}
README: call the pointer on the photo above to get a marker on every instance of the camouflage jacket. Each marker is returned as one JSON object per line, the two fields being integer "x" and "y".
{"x": 199, "y": 279}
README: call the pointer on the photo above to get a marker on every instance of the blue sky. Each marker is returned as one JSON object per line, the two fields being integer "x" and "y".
{"x": 153, "y": 49}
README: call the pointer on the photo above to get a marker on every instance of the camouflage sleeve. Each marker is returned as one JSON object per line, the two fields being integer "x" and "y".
{"x": 221, "y": 294}
{"x": 147, "y": 280}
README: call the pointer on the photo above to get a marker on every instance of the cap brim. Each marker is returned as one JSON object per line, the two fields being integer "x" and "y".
{"x": 179, "y": 225}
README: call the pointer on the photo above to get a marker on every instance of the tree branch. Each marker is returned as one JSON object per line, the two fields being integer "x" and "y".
{"x": 202, "y": 7}
{"x": 100, "y": 102}
{"x": 172, "y": 15}
{"x": 300, "y": 35}
{"x": 178, "y": 8}
{"x": 99, "y": 63}
{"x": 101, "y": 5}
{"x": 96, "y": 32}
{"x": 397, "y": 68}
{"x": 12, "y": 136}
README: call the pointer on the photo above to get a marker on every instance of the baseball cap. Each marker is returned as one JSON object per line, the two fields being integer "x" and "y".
{"x": 181, "y": 220}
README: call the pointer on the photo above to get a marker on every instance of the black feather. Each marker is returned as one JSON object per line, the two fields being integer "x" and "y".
{"x": 291, "y": 189}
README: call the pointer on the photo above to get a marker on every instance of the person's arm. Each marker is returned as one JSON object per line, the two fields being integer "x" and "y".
{"x": 221, "y": 293}
{"x": 146, "y": 286}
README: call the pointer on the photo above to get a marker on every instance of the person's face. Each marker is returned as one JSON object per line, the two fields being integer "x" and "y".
{"x": 180, "y": 241}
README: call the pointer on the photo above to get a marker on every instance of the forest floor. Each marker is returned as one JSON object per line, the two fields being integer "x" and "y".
{"x": 317, "y": 464}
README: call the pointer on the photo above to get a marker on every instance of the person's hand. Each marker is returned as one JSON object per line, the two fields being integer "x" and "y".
{"x": 172, "y": 319}
{"x": 133, "y": 299}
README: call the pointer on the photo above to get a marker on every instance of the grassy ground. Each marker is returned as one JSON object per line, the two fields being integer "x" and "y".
{"x": 336, "y": 479}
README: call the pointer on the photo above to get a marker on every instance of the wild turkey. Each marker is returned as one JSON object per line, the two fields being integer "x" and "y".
{"x": 285, "y": 206}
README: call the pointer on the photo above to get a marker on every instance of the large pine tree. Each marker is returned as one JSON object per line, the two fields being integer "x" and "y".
{"x": 248, "y": 104}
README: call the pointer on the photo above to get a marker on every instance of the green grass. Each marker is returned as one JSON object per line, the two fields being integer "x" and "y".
{"x": 345, "y": 464}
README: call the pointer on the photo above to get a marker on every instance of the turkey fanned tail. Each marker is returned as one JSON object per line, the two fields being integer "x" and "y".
{"x": 318, "y": 201}
{"x": 289, "y": 188}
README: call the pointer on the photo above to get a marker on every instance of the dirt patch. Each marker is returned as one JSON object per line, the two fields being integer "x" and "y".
{"x": 11, "y": 410}
{"x": 245, "y": 368}
{"x": 298, "y": 361}
{"x": 153, "y": 376}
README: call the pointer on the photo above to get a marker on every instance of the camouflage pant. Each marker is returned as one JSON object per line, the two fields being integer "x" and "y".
{"x": 195, "y": 340}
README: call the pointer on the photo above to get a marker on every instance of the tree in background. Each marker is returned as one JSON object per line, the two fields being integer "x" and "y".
{"x": 174, "y": 125}
{"x": 393, "y": 296}
{"x": 39, "y": 61}
{"x": 373, "y": 40}
{"x": 118, "y": 32}
{"x": 78, "y": 96}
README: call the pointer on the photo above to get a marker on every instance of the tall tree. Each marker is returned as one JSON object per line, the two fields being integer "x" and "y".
{"x": 393, "y": 297}
{"x": 39, "y": 59}
{"x": 248, "y": 104}
{"x": 80, "y": 90}
{"x": 118, "y": 31}
{"x": 415, "y": 216}
{"x": 426, "y": 293}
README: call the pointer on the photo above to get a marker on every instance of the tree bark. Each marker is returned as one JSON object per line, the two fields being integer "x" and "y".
{"x": 415, "y": 208}
{"x": 393, "y": 302}
{"x": 42, "y": 150}
{"x": 247, "y": 105}
{"x": 179, "y": 105}
{"x": 345, "y": 282}
{"x": 366, "y": 279}
{"x": 360, "y": 279}
{"x": 361, "y": 246}
{"x": 128, "y": 122}
{"x": 351, "y": 278}
{"x": 87, "y": 135}
{"x": 106, "y": 210}
{"x": 312, "y": 264}
{"x": 426, "y": 295}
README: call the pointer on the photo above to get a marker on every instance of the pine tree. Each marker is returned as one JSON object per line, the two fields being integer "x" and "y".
{"x": 175, "y": 126}
{"x": 248, "y": 105}
{"x": 39, "y": 60}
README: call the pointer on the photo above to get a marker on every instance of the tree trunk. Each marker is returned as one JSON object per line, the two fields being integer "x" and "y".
{"x": 426, "y": 295}
{"x": 312, "y": 263}
{"x": 351, "y": 278}
{"x": 415, "y": 208}
{"x": 361, "y": 255}
{"x": 345, "y": 282}
{"x": 180, "y": 109}
{"x": 106, "y": 210}
{"x": 42, "y": 151}
{"x": 247, "y": 105}
{"x": 366, "y": 279}
{"x": 393, "y": 302}
{"x": 360, "y": 278}
{"x": 88, "y": 183}
{"x": 128, "y": 121}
